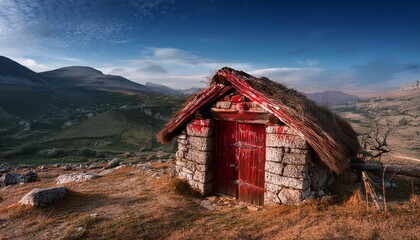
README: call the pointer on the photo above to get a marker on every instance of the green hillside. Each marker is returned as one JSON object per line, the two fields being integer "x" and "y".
{"x": 100, "y": 122}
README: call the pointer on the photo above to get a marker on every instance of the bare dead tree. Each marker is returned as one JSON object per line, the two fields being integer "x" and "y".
{"x": 374, "y": 142}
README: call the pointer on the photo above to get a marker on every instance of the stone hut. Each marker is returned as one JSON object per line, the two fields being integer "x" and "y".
{"x": 257, "y": 140}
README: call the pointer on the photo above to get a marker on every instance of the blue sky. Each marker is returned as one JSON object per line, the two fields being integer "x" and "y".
{"x": 362, "y": 47}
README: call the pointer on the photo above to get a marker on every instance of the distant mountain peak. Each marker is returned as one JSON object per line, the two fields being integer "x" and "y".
{"x": 73, "y": 71}
{"x": 332, "y": 97}
{"x": 91, "y": 78}
{"x": 170, "y": 91}
{"x": 13, "y": 74}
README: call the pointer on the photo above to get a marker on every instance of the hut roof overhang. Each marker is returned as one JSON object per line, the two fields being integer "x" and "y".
{"x": 331, "y": 137}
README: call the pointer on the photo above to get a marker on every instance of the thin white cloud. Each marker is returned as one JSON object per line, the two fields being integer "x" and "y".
{"x": 71, "y": 60}
{"x": 169, "y": 56}
{"x": 32, "y": 64}
{"x": 178, "y": 81}
{"x": 63, "y": 23}
{"x": 308, "y": 62}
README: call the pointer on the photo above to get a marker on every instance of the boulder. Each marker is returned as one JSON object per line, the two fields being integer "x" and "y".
{"x": 113, "y": 163}
{"x": 75, "y": 177}
{"x": 4, "y": 169}
{"x": 31, "y": 176}
{"x": 67, "y": 167}
{"x": 11, "y": 179}
{"x": 94, "y": 165}
{"x": 42, "y": 197}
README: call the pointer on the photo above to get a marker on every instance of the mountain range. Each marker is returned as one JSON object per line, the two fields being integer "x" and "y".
{"x": 80, "y": 107}
{"x": 170, "y": 91}
{"x": 332, "y": 97}
{"x": 90, "y": 78}
{"x": 14, "y": 75}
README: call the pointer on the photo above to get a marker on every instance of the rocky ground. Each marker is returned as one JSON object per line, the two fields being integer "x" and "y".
{"x": 144, "y": 201}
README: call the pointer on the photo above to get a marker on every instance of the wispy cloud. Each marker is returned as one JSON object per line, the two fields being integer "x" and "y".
{"x": 71, "y": 60}
{"x": 170, "y": 66}
{"x": 182, "y": 69}
{"x": 32, "y": 64}
{"x": 298, "y": 51}
{"x": 170, "y": 56}
{"x": 64, "y": 23}
{"x": 154, "y": 69}
{"x": 308, "y": 62}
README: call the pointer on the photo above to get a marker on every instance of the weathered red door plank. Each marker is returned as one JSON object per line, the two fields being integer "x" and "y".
{"x": 225, "y": 160}
{"x": 250, "y": 154}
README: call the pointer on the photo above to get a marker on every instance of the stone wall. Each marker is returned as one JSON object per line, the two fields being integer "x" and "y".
{"x": 287, "y": 166}
{"x": 194, "y": 155}
{"x": 292, "y": 173}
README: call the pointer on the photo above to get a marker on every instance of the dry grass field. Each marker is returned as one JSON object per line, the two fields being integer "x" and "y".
{"x": 399, "y": 110}
{"x": 136, "y": 203}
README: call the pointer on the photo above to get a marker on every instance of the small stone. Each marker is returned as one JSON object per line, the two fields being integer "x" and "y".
{"x": 79, "y": 229}
{"x": 212, "y": 198}
{"x": 313, "y": 194}
{"x": 95, "y": 165}
{"x": 320, "y": 193}
{"x": 75, "y": 177}
{"x": 4, "y": 169}
{"x": 207, "y": 205}
{"x": 30, "y": 176}
{"x": 253, "y": 208}
{"x": 223, "y": 104}
{"x": 113, "y": 163}
{"x": 67, "y": 167}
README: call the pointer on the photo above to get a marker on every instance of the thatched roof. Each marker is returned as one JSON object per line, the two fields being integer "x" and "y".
{"x": 331, "y": 137}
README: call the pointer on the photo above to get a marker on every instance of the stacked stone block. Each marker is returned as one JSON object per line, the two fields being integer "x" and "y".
{"x": 194, "y": 155}
{"x": 288, "y": 156}
{"x": 237, "y": 102}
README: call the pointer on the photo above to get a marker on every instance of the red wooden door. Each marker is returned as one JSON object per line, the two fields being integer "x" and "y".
{"x": 250, "y": 155}
{"x": 240, "y": 160}
{"x": 225, "y": 161}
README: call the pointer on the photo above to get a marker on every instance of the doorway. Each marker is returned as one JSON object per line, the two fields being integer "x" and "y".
{"x": 239, "y": 158}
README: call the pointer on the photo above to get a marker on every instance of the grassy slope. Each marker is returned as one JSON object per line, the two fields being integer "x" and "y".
{"x": 134, "y": 204}
{"x": 124, "y": 129}
{"x": 102, "y": 125}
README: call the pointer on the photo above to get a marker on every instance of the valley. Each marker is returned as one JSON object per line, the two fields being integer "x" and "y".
{"x": 79, "y": 108}
{"x": 71, "y": 113}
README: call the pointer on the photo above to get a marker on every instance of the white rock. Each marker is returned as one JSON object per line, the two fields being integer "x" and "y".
{"x": 75, "y": 177}
{"x": 42, "y": 197}
{"x": 207, "y": 205}
{"x": 106, "y": 172}
{"x": 113, "y": 163}
{"x": 95, "y": 165}
{"x": 253, "y": 208}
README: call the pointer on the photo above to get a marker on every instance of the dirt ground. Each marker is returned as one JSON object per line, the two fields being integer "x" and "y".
{"x": 139, "y": 203}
